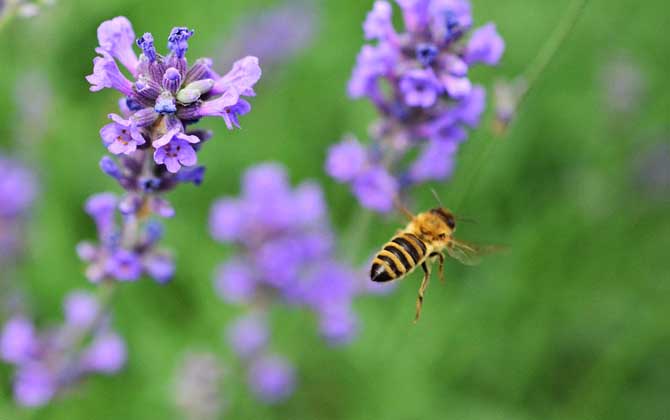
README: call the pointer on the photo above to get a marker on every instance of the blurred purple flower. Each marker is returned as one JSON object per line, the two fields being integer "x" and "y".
{"x": 283, "y": 234}
{"x": 346, "y": 160}
{"x": 18, "y": 342}
{"x": 284, "y": 256}
{"x": 272, "y": 379}
{"x": 268, "y": 36}
{"x": 106, "y": 354}
{"x": 235, "y": 282}
{"x": 52, "y": 360}
{"x": 80, "y": 309}
{"x": 248, "y": 336}
{"x": 18, "y": 190}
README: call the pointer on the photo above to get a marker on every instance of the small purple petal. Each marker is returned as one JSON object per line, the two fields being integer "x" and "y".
{"x": 81, "y": 309}
{"x": 226, "y": 220}
{"x": 34, "y": 385}
{"x": 248, "y": 336}
{"x": 485, "y": 46}
{"x": 235, "y": 282}
{"x": 272, "y": 379}
{"x": 124, "y": 265}
{"x": 106, "y": 354}
{"x": 346, "y": 160}
{"x": 378, "y": 23}
{"x": 18, "y": 342}
{"x": 116, "y": 36}
{"x": 376, "y": 189}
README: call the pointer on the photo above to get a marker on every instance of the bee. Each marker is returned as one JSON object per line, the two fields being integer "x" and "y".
{"x": 421, "y": 243}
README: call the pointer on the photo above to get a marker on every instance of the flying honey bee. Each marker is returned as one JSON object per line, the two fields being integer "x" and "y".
{"x": 422, "y": 242}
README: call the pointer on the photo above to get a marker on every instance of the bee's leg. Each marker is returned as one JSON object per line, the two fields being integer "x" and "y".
{"x": 440, "y": 270}
{"x": 422, "y": 290}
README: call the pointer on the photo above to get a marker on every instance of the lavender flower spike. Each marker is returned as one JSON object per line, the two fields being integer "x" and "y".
{"x": 154, "y": 144}
{"x": 418, "y": 81}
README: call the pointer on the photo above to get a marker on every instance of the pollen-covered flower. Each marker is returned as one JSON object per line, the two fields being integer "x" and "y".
{"x": 49, "y": 361}
{"x": 418, "y": 81}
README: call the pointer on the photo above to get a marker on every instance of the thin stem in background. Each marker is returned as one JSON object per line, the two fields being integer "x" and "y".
{"x": 528, "y": 80}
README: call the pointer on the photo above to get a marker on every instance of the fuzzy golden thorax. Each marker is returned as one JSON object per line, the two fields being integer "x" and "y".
{"x": 435, "y": 227}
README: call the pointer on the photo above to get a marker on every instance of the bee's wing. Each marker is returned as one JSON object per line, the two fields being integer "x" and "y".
{"x": 470, "y": 254}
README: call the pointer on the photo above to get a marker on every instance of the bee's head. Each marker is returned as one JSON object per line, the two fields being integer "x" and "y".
{"x": 445, "y": 222}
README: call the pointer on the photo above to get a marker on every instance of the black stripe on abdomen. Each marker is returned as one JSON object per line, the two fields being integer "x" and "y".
{"x": 395, "y": 250}
{"x": 420, "y": 246}
{"x": 407, "y": 246}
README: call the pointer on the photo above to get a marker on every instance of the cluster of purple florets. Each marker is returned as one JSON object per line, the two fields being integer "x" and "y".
{"x": 154, "y": 146}
{"x": 418, "y": 81}
{"x": 166, "y": 96}
{"x": 286, "y": 255}
{"x": 49, "y": 361}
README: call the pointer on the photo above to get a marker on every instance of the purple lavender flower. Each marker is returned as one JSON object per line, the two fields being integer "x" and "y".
{"x": 51, "y": 360}
{"x": 166, "y": 95}
{"x": 418, "y": 81}
{"x": 121, "y": 136}
{"x": 272, "y": 379}
{"x": 155, "y": 147}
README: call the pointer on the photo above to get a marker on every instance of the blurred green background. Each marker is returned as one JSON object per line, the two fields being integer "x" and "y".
{"x": 572, "y": 323}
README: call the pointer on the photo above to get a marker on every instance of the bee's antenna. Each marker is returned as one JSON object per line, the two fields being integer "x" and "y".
{"x": 437, "y": 197}
{"x": 465, "y": 219}
{"x": 401, "y": 207}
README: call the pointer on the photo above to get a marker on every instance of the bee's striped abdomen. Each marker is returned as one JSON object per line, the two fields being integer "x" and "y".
{"x": 398, "y": 257}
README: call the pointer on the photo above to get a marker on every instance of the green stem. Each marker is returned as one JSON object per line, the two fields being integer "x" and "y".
{"x": 537, "y": 67}
{"x": 530, "y": 77}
